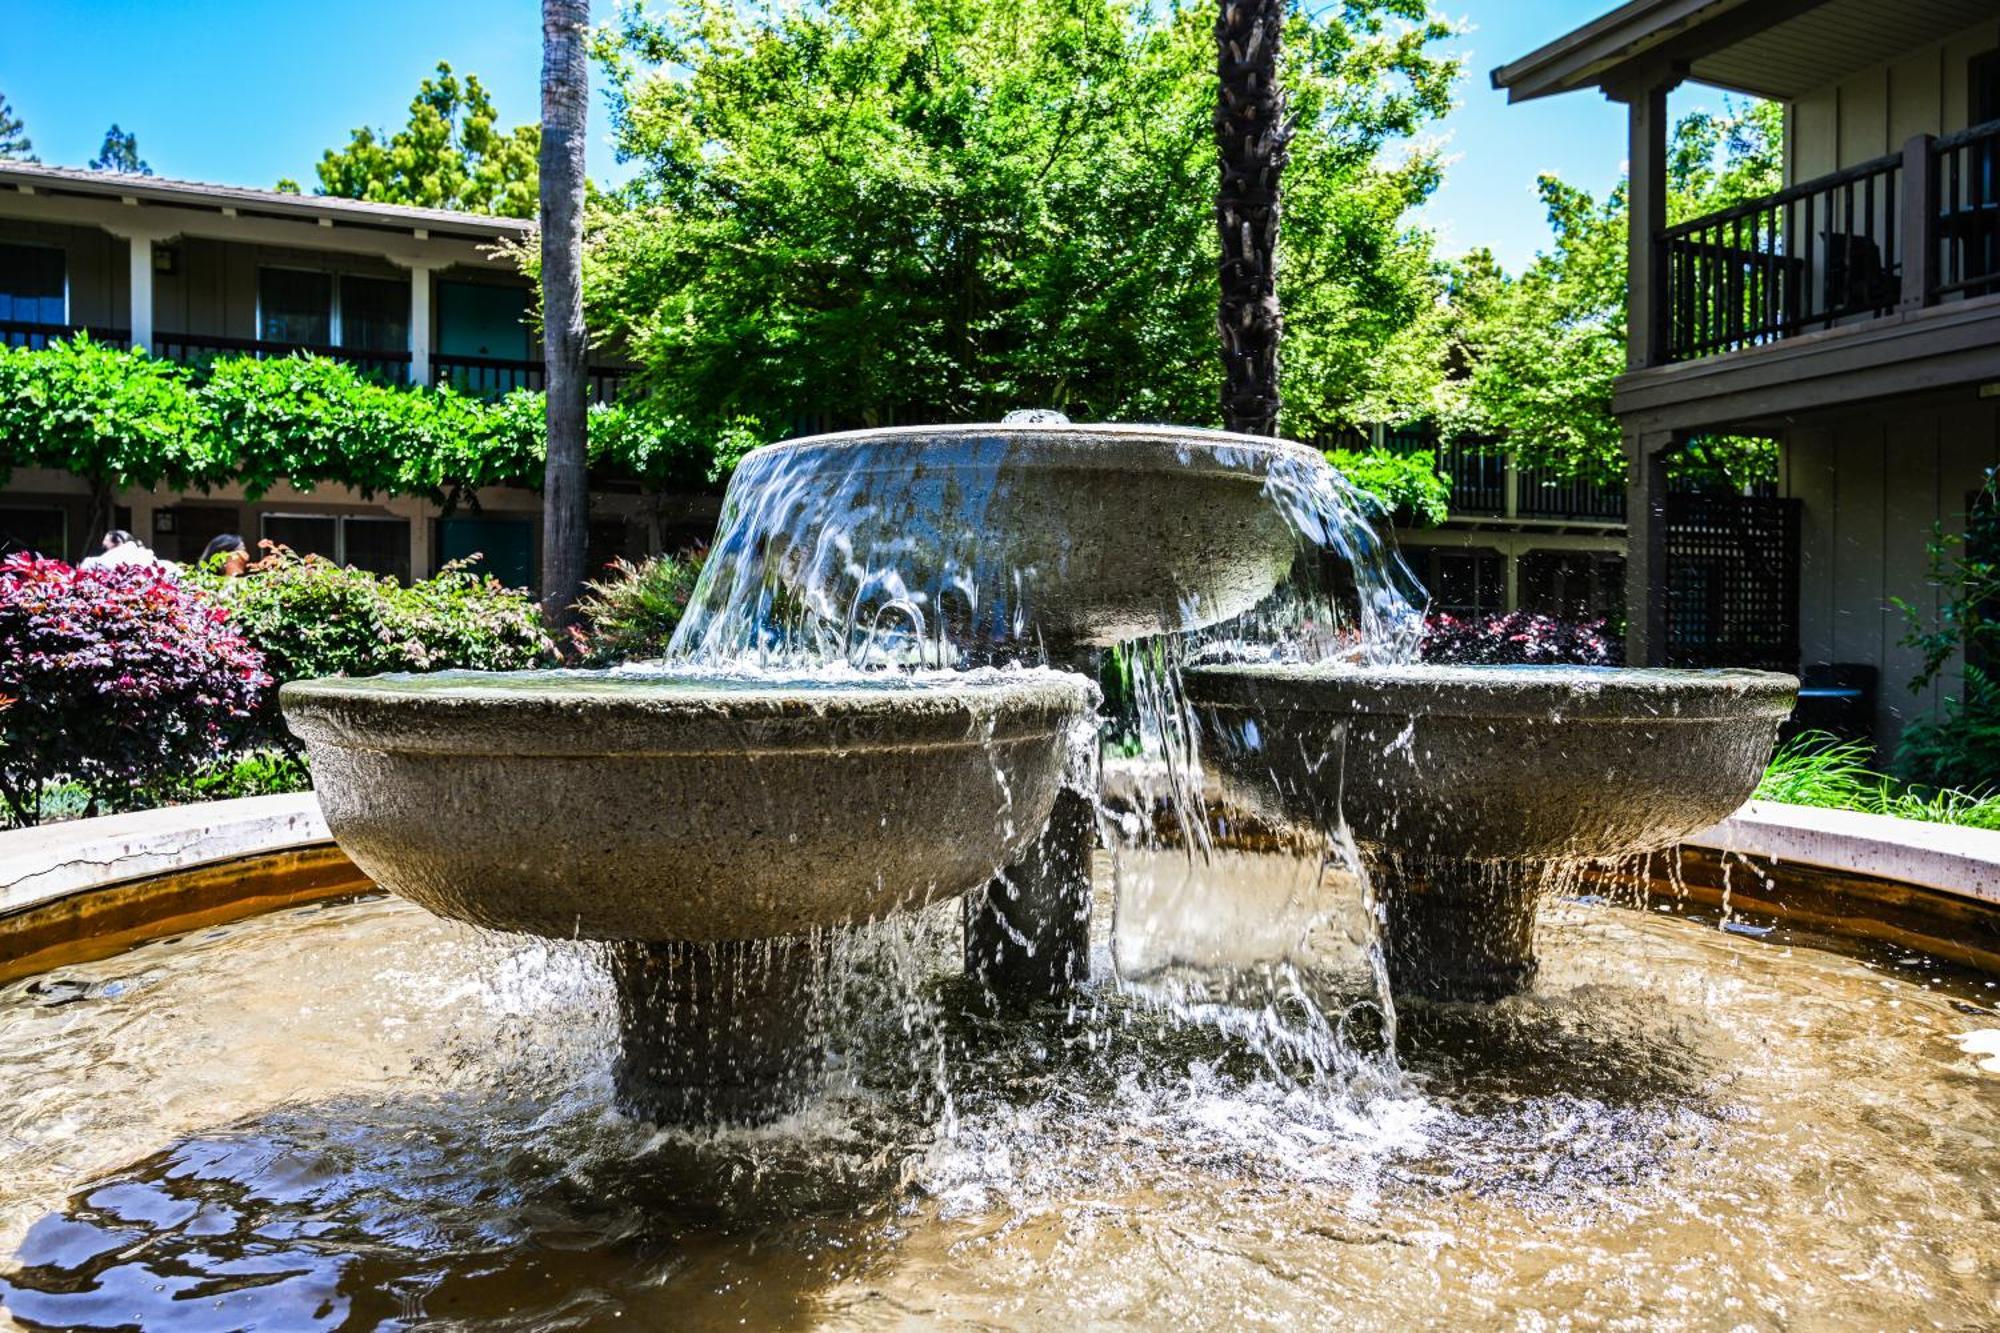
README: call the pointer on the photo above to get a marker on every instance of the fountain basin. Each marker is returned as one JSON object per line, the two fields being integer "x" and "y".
{"x": 1062, "y": 535}
{"x": 683, "y": 806}
{"x": 1491, "y": 763}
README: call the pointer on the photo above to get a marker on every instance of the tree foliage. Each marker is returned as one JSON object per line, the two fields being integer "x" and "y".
{"x": 868, "y": 211}
{"x": 120, "y": 152}
{"x": 15, "y": 145}
{"x": 1538, "y": 354}
{"x": 1407, "y": 484}
{"x": 450, "y": 155}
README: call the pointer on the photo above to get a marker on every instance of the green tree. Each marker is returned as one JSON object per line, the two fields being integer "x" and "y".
{"x": 120, "y": 152}
{"x": 1538, "y": 354}
{"x": 450, "y": 155}
{"x": 15, "y": 146}
{"x": 858, "y": 212}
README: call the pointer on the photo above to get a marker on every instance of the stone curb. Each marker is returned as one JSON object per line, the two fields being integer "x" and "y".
{"x": 41, "y": 865}
{"x": 1961, "y": 862}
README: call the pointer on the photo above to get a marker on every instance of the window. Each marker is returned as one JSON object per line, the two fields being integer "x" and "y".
{"x": 483, "y": 319}
{"x": 294, "y": 306}
{"x": 505, "y": 546}
{"x": 32, "y": 285}
{"x": 1466, "y": 582}
{"x": 374, "y": 314}
{"x": 366, "y": 541}
{"x": 1573, "y": 585}
{"x": 35, "y": 531}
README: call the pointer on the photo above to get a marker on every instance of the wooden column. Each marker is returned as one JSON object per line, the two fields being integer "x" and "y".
{"x": 1916, "y": 221}
{"x": 1645, "y": 555}
{"x": 1646, "y": 149}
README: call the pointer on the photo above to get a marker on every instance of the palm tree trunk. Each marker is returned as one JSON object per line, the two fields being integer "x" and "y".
{"x": 1250, "y": 137}
{"x": 565, "y": 346}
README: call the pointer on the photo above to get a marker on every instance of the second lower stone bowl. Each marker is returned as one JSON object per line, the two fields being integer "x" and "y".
{"x": 1491, "y": 763}
{"x": 684, "y": 806}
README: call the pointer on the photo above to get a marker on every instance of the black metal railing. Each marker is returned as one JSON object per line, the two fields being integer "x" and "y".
{"x": 1477, "y": 470}
{"x": 1804, "y": 258}
{"x": 1548, "y": 494}
{"x": 495, "y": 377}
{"x": 23, "y": 333}
{"x": 201, "y": 348}
{"x": 1965, "y": 213}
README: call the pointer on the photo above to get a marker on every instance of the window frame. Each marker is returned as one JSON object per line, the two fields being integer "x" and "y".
{"x": 340, "y": 522}
{"x": 335, "y": 328}
{"x": 63, "y": 253}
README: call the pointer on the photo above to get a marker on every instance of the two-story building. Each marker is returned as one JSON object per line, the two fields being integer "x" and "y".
{"x": 1853, "y": 316}
{"x": 192, "y": 271}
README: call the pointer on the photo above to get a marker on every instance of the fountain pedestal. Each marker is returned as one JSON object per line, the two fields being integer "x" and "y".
{"x": 1027, "y": 937}
{"x": 1454, "y": 929}
{"x": 715, "y": 1032}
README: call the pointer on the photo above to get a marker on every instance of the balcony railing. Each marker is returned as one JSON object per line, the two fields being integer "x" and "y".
{"x": 200, "y": 348}
{"x": 1897, "y": 232}
{"x": 1804, "y": 258}
{"x": 1966, "y": 211}
{"x": 21, "y": 333}
{"x": 495, "y": 377}
{"x": 1482, "y": 486}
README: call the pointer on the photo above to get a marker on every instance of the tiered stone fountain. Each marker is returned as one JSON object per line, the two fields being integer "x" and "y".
{"x": 802, "y": 763}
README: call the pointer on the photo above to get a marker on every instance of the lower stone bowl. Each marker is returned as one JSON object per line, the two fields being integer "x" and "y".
{"x": 1491, "y": 763}
{"x": 684, "y": 806}
{"x": 1069, "y": 535}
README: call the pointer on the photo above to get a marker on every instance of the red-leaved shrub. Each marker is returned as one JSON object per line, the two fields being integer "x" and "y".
{"x": 118, "y": 677}
{"x": 1518, "y": 639}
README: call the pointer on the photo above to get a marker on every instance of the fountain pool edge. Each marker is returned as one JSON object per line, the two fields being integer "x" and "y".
{"x": 89, "y": 888}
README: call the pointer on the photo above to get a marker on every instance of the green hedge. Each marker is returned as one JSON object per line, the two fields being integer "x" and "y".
{"x": 119, "y": 417}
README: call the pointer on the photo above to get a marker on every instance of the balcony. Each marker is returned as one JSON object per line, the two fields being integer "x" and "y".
{"x": 1487, "y": 484}
{"x": 1894, "y": 234}
{"x": 495, "y": 377}
{"x": 21, "y": 333}
{"x": 476, "y": 376}
{"x": 196, "y": 349}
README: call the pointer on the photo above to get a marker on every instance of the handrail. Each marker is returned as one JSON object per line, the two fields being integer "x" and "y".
{"x": 262, "y": 347}
{"x": 1985, "y": 129}
{"x": 1791, "y": 194}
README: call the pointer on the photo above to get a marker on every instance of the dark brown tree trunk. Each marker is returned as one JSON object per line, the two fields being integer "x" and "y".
{"x": 1251, "y": 132}
{"x": 565, "y": 347}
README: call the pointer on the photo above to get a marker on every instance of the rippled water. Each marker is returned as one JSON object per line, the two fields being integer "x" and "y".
{"x": 359, "y": 1115}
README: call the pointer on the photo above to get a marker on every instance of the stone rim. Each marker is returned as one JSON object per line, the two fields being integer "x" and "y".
{"x": 1644, "y": 696}
{"x": 597, "y": 714}
{"x": 1108, "y": 446}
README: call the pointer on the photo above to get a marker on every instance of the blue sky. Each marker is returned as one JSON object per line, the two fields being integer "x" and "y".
{"x": 246, "y": 91}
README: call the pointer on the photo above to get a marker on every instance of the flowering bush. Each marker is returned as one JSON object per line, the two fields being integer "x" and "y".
{"x": 117, "y": 677}
{"x": 1518, "y": 638}
{"x": 310, "y": 617}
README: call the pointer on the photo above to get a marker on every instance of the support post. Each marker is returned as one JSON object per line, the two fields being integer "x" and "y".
{"x": 1457, "y": 930}
{"x": 715, "y": 1033}
{"x": 420, "y": 324}
{"x": 142, "y": 290}
{"x": 1646, "y": 551}
{"x": 1027, "y": 935}
{"x": 1646, "y": 153}
{"x": 1916, "y": 221}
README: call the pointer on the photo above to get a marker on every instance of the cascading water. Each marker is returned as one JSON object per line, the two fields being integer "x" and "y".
{"x": 952, "y": 548}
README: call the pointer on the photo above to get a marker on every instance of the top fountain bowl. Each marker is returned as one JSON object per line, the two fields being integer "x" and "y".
{"x": 683, "y": 806}
{"x": 1491, "y": 763}
{"x": 1102, "y": 533}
